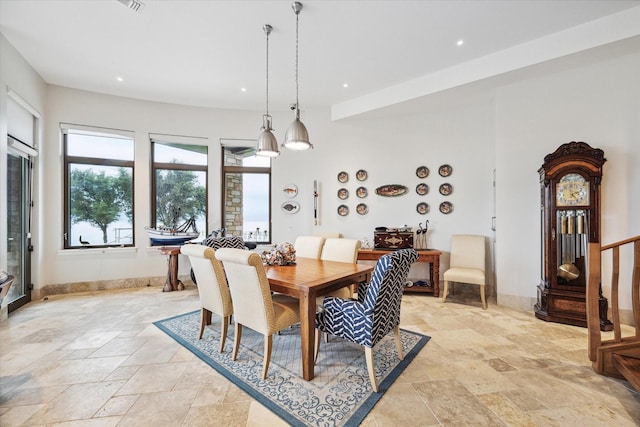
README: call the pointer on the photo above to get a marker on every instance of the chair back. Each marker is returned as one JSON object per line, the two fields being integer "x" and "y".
{"x": 309, "y": 246}
{"x": 212, "y": 283}
{"x": 341, "y": 250}
{"x": 225, "y": 242}
{"x": 467, "y": 251}
{"x": 249, "y": 286}
{"x": 328, "y": 234}
{"x": 384, "y": 293}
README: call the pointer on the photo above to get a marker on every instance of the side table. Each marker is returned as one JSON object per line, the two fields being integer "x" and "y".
{"x": 430, "y": 256}
{"x": 172, "y": 283}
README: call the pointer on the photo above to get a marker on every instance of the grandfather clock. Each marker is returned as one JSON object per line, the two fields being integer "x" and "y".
{"x": 570, "y": 180}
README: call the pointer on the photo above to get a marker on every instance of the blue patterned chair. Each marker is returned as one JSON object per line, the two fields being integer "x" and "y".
{"x": 375, "y": 313}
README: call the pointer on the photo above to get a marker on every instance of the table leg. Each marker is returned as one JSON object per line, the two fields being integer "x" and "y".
{"x": 171, "y": 283}
{"x": 307, "y": 334}
{"x": 435, "y": 277}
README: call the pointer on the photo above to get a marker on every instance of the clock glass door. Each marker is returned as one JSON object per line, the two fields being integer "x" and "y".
{"x": 571, "y": 245}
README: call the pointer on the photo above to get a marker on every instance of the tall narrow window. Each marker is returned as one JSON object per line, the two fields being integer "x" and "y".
{"x": 179, "y": 182}
{"x": 246, "y": 191}
{"x": 98, "y": 177}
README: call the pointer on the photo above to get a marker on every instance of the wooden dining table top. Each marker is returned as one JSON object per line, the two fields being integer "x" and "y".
{"x": 314, "y": 276}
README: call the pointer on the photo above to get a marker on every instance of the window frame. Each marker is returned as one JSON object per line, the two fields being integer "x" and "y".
{"x": 155, "y": 166}
{"x": 224, "y": 170}
{"x": 68, "y": 160}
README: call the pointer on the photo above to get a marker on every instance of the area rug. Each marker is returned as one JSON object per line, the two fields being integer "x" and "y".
{"x": 339, "y": 395}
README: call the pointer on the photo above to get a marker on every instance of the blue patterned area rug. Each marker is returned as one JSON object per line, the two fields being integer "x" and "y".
{"x": 339, "y": 395}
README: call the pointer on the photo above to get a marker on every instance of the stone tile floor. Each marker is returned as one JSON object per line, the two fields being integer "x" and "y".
{"x": 96, "y": 359}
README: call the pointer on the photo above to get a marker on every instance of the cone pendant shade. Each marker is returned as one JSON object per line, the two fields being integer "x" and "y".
{"x": 297, "y": 137}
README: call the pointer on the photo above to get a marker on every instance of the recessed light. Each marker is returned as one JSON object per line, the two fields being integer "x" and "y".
{"x": 460, "y": 42}
{"x": 345, "y": 85}
{"x": 120, "y": 79}
{"x": 244, "y": 89}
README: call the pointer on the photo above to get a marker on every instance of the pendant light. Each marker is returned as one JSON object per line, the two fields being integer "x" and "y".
{"x": 297, "y": 137}
{"x": 267, "y": 143}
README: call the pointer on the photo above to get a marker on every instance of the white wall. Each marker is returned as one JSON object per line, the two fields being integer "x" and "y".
{"x": 598, "y": 104}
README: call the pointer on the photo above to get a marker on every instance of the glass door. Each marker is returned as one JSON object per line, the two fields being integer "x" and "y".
{"x": 18, "y": 233}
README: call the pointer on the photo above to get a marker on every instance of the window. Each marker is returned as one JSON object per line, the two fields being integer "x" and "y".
{"x": 98, "y": 177}
{"x": 179, "y": 182}
{"x": 246, "y": 192}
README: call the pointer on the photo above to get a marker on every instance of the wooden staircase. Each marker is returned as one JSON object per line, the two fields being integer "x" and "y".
{"x": 618, "y": 357}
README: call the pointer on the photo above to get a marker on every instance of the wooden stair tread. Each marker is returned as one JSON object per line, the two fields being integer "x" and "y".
{"x": 629, "y": 367}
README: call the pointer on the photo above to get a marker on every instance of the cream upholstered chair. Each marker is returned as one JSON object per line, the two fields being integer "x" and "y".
{"x": 341, "y": 250}
{"x": 253, "y": 304}
{"x": 309, "y": 246}
{"x": 467, "y": 263}
{"x": 212, "y": 287}
{"x": 328, "y": 234}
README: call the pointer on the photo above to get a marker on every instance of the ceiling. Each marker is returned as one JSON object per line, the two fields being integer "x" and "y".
{"x": 202, "y": 53}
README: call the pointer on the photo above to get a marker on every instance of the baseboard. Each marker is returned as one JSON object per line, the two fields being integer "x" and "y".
{"x": 516, "y": 301}
{"x": 100, "y": 285}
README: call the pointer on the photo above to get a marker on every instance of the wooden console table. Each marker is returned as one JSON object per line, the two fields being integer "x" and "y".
{"x": 172, "y": 283}
{"x": 430, "y": 256}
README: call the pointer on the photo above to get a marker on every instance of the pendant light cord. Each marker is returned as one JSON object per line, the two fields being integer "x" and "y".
{"x": 297, "y": 102}
{"x": 268, "y": 72}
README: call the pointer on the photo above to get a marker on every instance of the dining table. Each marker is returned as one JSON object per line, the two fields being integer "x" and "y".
{"x": 306, "y": 280}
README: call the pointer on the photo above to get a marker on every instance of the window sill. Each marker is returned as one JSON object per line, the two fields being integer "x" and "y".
{"x": 95, "y": 251}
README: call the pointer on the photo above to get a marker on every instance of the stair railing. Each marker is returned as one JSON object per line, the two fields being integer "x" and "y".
{"x": 600, "y": 351}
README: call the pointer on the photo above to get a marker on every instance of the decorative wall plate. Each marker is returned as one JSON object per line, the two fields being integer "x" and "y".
{"x": 422, "y": 189}
{"x": 343, "y": 177}
{"x": 391, "y": 190}
{"x": 362, "y": 192}
{"x": 446, "y": 207}
{"x": 422, "y": 172}
{"x": 290, "y": 190}
{"x": 445, "y": 170}
{"x": 422, "y": 208}
{"x": 362, "y": 209}
{"x": 290, "y": 207}
{"x": 343, "y": 210}
{"x": 446, "y": 189}
{"x": 343, "y": 194}
{"x": 361, "y": 175}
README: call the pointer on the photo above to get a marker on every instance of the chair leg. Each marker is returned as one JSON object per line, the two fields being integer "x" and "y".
{"x": 396, "y": 332}
{"x": 236, "y": 340}
{"x": 446, "y": 291}
{"x": 223, "y": 332}
{"x": 317, "y": 346}
{"x": 484, "y": 300}
{"x": 205, "y": 319}
{"x": 368, "y": 353}
{"x": 268, "y": 339}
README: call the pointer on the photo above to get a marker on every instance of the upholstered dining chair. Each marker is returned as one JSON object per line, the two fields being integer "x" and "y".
{"x": 328, "y": 234}
{"x": 341, "y": 250}
{"x": 309, "y": 246}
{"x": 466, "y": 264}
{"x": 376, "y": 312}
{"x": 213, "y": 290}
{"x": 215, "y": 242}
{"x": 253, "y": 304}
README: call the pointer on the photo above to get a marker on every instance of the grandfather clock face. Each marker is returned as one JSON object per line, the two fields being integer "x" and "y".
{"x": 572, "y": 190}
